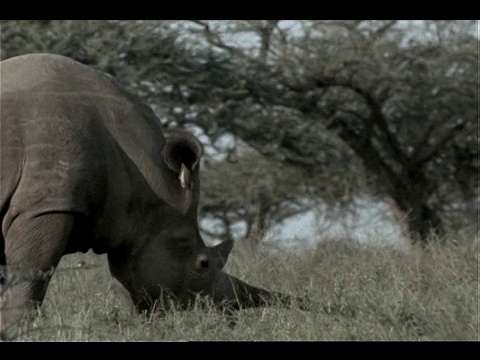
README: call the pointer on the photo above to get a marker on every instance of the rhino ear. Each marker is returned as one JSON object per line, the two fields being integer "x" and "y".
{"x": 182, "y": 155}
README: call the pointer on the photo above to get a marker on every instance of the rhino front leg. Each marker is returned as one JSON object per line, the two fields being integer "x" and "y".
{"x": 33, "y": 248}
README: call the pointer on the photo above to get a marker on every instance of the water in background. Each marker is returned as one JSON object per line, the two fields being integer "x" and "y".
{"x": 368, "y": 222}
{"x": 371, "y": 222}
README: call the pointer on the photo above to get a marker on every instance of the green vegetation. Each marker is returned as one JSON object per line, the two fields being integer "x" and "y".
{"x": 357, "y": 292}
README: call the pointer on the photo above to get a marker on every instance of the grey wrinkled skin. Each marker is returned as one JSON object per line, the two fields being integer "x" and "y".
{"x": 85, "y": 165}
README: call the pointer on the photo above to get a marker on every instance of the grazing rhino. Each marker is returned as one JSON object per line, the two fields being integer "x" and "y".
{"x": 84, "y": 165}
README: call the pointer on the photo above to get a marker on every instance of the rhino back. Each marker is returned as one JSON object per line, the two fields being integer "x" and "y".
{"x": 72, "y": 140}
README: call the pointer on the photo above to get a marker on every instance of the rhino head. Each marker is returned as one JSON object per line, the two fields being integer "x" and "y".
{"x": 172, "y": 260}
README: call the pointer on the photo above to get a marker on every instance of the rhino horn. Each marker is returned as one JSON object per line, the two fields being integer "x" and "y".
{"x": 233, "y": 293}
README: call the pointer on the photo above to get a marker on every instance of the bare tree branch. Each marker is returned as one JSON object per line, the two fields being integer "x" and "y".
{"x": 427, "y": 155}
{"x": 265, "y": 38}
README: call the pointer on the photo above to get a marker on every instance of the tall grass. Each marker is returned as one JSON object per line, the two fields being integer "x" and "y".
{"x": 357, "y": 292}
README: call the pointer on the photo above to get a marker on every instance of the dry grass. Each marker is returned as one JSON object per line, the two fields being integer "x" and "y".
{"x": 358, "y": 293}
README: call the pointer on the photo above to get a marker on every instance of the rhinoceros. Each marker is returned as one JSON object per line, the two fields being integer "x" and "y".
{"x": 85, "y": 166}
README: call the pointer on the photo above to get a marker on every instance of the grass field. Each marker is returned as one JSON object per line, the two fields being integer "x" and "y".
{"x": 358, "y": 292}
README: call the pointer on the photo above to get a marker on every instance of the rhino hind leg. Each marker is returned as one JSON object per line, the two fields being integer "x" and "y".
{"x": 33, "y": 248}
